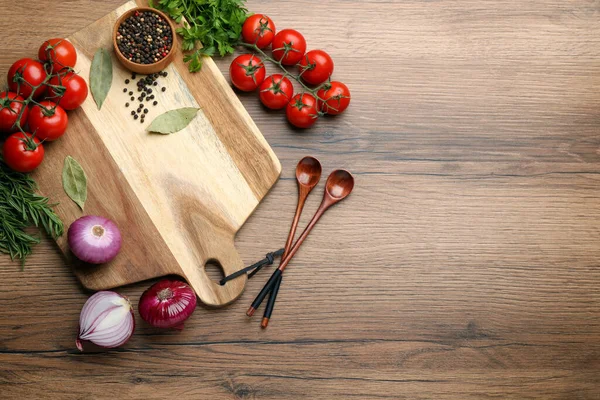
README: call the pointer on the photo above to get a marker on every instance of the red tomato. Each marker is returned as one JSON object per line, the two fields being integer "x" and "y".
{"x": 247, "y": 72}
{"x": 9, "y": 112}
{"x": 259, "y": 30}
{"x": 316, "y": 67}
{"x": 22, "y": 152}
{"x": 23, "y": 75}
{"x": 276, "y": 92}
{"x": 302, "y": 110}
{"x": 58, "y": 52}
{"x": 75, "y": 90}
{"x": 48, "y": 122}
{"x": 288, "y": 47}
{"x": 336, "y": 96}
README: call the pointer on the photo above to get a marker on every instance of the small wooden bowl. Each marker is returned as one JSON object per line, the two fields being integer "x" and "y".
{"x": 145, "y": 69}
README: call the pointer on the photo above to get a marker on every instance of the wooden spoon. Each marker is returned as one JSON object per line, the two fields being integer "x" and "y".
{"x": 339, "y": 185}
{"x": 308, "y": 174}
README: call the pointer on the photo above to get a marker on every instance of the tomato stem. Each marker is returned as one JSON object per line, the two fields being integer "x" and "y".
{"x": 287, "y": 73}
{"x": 30, "y": 99}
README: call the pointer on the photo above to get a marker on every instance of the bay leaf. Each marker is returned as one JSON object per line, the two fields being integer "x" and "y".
{"x": 101, "y": 75}
{"x": 173, "y": 121}
{"x": 74, "y": 181}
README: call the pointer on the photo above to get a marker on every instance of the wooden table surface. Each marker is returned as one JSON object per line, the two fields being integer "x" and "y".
{"x": 465, "y": 265}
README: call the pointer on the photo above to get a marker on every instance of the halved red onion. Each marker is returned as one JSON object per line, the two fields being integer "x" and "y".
{"x": 106, "y": 320}
{"x": 94, "y": 239}
{"x": 167, "y": 304}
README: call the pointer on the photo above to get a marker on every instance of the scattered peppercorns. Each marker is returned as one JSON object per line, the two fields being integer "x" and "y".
{"x": 144, "y": 38}
{"x": 146, "y": 93}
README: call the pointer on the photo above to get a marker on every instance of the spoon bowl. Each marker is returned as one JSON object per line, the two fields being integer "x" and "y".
{"x": 308, "y": 172}
{"x": 339, "y": 185}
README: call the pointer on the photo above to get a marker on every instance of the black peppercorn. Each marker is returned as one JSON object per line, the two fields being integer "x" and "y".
{"x": 127, "y": 81}
{"x": 155, "y": 83}
{"x": 155, "y": 103}
{"x": 130, "y": 93}
{"x": 132, "y": 98}
{"x": 163, "y": 89}
{"x": 135, "y": 116}
{"x": 145, "y": 111}
{"x": 126, "y": 104}
{"x": 150, "y": 91}
{"x": 125, "y": 90}
{"x": 133, "y": 113}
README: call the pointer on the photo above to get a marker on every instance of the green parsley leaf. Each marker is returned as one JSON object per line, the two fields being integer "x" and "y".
{"x": 216, "y": 25}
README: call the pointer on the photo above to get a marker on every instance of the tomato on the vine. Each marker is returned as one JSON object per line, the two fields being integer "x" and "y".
{"x": 25, "y": 74}
{"x": 247, "y": 72}
{"x": 22, "y": 152}
{"x": 276, "y": 92}
{"x": 302, "y": 110}
{"x": 48, "y": 121}
{"x": 288, "y": 46}
{"x": 259, "y": 30}
{"x": 316, "y": 67}
{"x": 74, "y": 93}
{"x": 336, "y": 96}
{"x": 58, "y": 52}
{"x": 10, "y": 108}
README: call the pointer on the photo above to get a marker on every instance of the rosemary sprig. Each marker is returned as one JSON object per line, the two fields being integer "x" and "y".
{"x": 20, "y": 207}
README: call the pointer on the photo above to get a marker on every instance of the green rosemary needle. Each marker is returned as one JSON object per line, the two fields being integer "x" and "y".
{"x": 20, "y": 207}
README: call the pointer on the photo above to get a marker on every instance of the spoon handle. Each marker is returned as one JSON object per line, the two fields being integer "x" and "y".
{"x": 271, "y": 303}
{"x": 325, "y": 204}
{"x": 303, "y": 193}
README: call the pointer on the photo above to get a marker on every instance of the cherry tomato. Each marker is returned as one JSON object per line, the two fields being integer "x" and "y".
{"x": 247, "y": 72}
{"x": 60, "y": 53}
{"x": 259, "y": 30}
{"x": 316, "y": 67}
{"x": 25, "y": 74}
{"x": 288, "y": 46}
{"x": 22, "y": 152}
{"x": 9, "y": 112}
{"x": 276, "y": 92}
{"x": 336, "y": 96}
{"x": 48, "y": 122}
{"x": 302, "y": 110}
{"x": 75, "y": 91}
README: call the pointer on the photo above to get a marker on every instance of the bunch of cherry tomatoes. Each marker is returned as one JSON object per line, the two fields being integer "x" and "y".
{"x": 288, "y": 46}
{"x": 39, "y": 93}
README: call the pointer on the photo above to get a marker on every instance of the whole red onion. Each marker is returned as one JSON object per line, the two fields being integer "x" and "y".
{"x": 167, "y": 304}
{"x": 94, "y": 239}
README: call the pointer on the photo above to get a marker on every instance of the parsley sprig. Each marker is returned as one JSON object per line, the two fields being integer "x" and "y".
{"x": 215, "y": 24}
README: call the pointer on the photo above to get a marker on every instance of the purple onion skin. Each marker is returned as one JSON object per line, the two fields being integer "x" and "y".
{"x": 167, "y": 304}
{"x": 95, "y": 240}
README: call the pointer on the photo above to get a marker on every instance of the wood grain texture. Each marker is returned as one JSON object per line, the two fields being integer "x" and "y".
{"x": 465, "y": 264}
{"x": 194, "y": 189}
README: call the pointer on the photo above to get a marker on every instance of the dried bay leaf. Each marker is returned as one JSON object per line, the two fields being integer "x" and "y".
{"x": 74, "y": 181}
{"x": 101, "y": 75}
{"x": 173, "y": 121}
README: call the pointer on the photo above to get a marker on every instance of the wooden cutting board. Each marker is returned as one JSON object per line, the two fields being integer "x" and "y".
{"x": 178, "y": 199}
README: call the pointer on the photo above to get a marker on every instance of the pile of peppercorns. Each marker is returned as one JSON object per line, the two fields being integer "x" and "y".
{"x": 144, "y": 38}
{"x": 147, "y": 87}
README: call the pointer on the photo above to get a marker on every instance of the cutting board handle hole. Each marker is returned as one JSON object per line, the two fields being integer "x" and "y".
{"x": 214, "y": 270}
